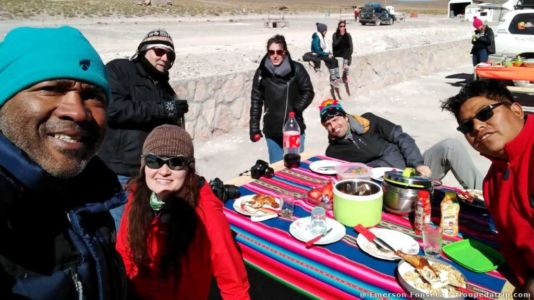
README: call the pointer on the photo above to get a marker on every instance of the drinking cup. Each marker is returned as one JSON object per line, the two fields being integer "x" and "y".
{"x": 432, "y": 240}
{"x": 318, "y": 220}
{"x": 288, "y": 206}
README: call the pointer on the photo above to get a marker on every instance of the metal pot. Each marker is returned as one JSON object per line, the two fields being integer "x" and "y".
{"x": 401, "y": 188}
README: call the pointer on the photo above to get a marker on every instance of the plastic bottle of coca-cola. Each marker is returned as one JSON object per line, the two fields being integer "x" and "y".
{"x": 291, "y": 142}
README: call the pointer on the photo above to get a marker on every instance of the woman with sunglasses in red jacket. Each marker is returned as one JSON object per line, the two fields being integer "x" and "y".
{"x": 174, "y": 237}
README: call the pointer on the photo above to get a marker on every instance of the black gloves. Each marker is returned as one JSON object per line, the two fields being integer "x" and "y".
{"x": 181, "y": 106}
{"x": 174, "y": 109}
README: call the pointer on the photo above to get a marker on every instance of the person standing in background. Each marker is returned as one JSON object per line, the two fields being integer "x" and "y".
{"x": 342, "y": 47}
{"x": 141, "y": 99}
{"x": 483, "y": 42}
{"x": 280, "y": 86}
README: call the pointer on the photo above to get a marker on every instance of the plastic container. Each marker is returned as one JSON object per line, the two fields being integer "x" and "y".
{"x": 353, "y": 171}
{"x": 474, "y": 255}
{"x": 291, "y": 141}
{"x": 351, "y": 209}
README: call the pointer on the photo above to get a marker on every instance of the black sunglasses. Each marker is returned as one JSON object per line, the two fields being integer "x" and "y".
{"x": 175, "y": 163}
{"x": 278, "y": 52}
{"x": 483, "y": 115}
{"x": 160, "y": 52}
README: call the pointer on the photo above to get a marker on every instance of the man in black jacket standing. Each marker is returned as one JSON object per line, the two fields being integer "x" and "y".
{"x": 280, "y": 85}
{"x": 142, "y": 99}
{"x": 377, "y": 142}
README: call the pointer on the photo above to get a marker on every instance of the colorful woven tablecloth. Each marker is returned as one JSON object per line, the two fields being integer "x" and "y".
{"x": 339, "y": 270}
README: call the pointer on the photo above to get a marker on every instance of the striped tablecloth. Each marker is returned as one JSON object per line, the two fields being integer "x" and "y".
{"x": 339, "y": 270}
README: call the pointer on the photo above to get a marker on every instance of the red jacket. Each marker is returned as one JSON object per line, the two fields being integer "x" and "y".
{"x": 213, "y": 253}
{"x": 509, "y": 190}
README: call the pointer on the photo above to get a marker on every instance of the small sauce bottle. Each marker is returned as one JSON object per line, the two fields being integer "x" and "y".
{"x": 422, "y": 211}
{"x": 450, "y": 211}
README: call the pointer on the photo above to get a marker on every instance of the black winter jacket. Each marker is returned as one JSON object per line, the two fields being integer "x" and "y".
{"x": 137, "y": 105}
{"x": 383, "y": 145}
{"x": 342, "y": 45}
{"x": 279, "y": 96}
{"x": 486, "y": 40}
{"x": 57, "y": 236}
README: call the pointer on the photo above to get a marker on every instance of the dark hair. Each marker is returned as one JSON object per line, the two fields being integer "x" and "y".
{"x": 179, "y": 222}
{"x": 339, "y": 23}
{"x": 489, "y": 88}
{"x": 278, "y": 39}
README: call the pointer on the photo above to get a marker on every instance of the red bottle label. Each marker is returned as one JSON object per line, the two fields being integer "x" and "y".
{"x": 291, "y": 140}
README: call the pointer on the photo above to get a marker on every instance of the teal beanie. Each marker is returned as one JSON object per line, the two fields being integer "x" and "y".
{"x": 31, "y": 55}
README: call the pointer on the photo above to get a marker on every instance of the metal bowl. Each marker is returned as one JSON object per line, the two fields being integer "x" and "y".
{"x": 399, "y": 200}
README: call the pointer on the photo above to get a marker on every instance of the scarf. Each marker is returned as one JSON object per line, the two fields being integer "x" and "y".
{"x": 155, "y": 203}
{"x": 281, "y": 70}
{"x": 324, "y": 45}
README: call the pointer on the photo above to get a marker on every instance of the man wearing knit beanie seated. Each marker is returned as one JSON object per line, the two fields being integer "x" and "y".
{"x": 377, "y": 142}
{"x": 57, "y": 236}
{"x": 142, "y": 99}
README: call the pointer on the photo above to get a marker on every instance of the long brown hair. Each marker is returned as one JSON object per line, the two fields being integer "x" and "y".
{"x": 178, "y": 219}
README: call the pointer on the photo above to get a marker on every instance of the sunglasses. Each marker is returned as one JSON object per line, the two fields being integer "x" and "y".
{"x": 278, "y": 52}
{"x": 160, "y": 52}
{"x": 483, "y": 115}
{"x": 175, "y": 163}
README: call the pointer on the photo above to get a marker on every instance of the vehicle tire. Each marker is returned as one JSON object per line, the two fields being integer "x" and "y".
{"x": 391, "y": 21}
{"x": 377, "y": 22}
{"x": 363, "y": 23}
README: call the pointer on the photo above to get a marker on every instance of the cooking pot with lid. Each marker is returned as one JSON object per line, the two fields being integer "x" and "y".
{"x": 401, "y": 188}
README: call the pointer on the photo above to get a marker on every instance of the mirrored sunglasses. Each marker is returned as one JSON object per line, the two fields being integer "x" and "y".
{"x": 160, "y": 52}
{"x": 278, "y": 52}
{"x": 483, "y": 115}
{"x": 175, "y": 163}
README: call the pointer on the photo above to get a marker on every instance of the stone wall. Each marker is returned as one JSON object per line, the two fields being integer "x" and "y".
{"x": 219, "y": 104}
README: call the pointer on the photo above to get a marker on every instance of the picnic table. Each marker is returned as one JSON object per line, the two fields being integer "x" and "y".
{"x": 340, "y": 270}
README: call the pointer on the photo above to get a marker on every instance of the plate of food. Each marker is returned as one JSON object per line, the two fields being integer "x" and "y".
{"x": 444, "y": 285}
{"x": 257, "y": 205}
{"x": 300, "y": 230}
{"x": 473, "y": 198}
{"x": 396, "y": 239}
{"x": 326, "y": 167}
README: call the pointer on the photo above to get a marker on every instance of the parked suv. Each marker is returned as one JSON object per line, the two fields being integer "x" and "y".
{"x": 515, "y": 34}
{"x": 376, "y": 15}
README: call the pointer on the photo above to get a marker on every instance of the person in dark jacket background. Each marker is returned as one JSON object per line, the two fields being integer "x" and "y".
{"x": 280, "y": 86}
{"x": 141, "y": 100}
{"x": 57, "y": 236}
{"x": 377, "y": 142}
{"x": 342, "y": 47}
{"x": 483, "y": 42}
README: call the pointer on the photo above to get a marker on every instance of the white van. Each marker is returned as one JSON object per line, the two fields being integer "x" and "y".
{"x": 515, "y": 34}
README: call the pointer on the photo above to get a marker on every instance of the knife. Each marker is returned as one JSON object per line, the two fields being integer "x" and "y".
{"x": 373, "y": 238}
{"x": 315, "y": 239}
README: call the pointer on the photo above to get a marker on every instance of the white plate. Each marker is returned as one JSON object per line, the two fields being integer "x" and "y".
{"x": 377, "y": 174}
{"x": 299, "y": 229}
{"x": 329, "y": 164}
{"x": 411, "y": 281}
{"x": 249, "y": 211}
{"x": 396, "y": 239}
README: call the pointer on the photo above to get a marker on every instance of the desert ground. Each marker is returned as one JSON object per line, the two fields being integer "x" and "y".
{"x": 213, "y": 45}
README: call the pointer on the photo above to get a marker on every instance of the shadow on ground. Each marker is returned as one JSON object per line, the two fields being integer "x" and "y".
{"x": 464, "y": 79}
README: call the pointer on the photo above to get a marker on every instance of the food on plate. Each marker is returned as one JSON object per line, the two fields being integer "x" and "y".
{"x": 449, "y": 278}
{"x": 260, "y": 200}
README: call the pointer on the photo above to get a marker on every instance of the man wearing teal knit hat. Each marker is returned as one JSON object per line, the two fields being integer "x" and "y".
{"x": 57, "y": 236}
